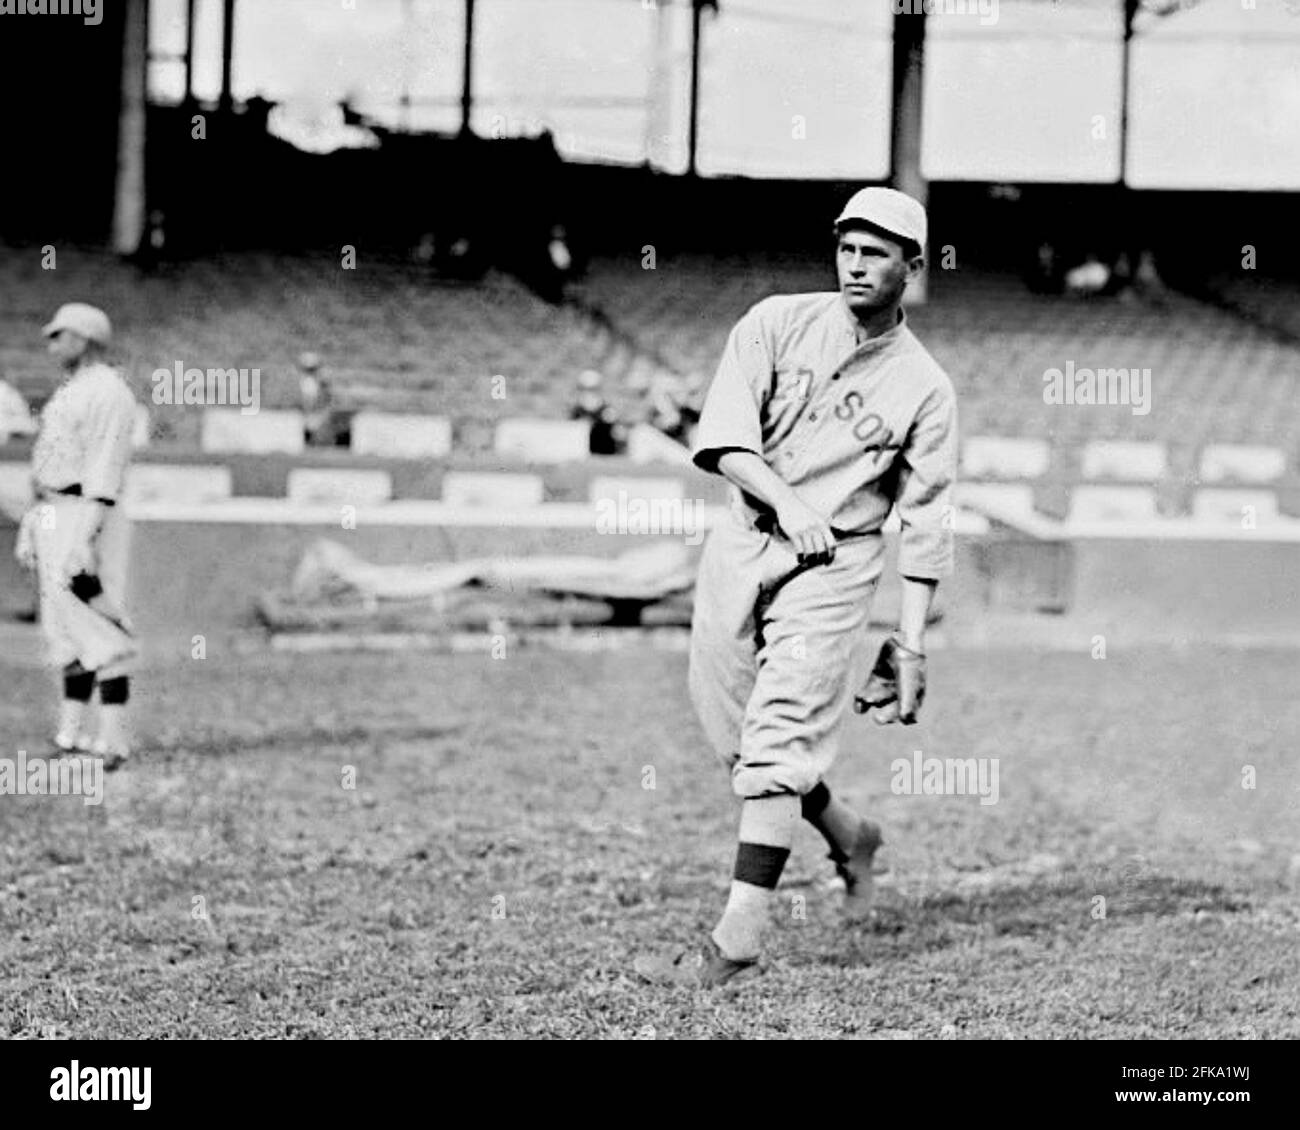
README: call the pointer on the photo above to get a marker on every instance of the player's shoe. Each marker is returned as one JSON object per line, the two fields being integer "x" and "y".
{"x": 115, "y": 757}
{"x": 65, "y": 742}
{"x": 708, "y": 969}
{"x": 855, "y": 869}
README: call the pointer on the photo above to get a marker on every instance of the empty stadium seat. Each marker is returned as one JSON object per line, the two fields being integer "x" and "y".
{"x": 492, "y": 489}
{"x": 178, "y": 483}
{"x": 339, "y": 485}
{"x": 228, "y": 430}
{"x": 1242, "y": 463}
{"x": 401, "y": 436}
{"x": 543, "y": 441}
{"x": 1118, "y": 459}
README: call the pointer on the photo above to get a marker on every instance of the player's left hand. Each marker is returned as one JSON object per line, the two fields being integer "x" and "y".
{"x": 896, "y": 687}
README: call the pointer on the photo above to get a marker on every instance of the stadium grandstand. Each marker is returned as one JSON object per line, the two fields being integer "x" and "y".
{"x": 579, "y": 209}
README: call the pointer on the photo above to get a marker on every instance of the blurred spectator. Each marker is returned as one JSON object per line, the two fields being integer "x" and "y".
{"x": 1045, "y": 275}
{"x": 1089, "y": 278}
{"x": 558, "y": 249}
{"x": 671, "y": 408}
{"x": 592, "y": 405}
{"x": 16, "y": 417}
{"x": 324, "y": 425}
{"x": 535, "y": 244}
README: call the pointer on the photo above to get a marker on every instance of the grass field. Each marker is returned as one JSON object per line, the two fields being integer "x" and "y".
{"x": 499, "y": 861}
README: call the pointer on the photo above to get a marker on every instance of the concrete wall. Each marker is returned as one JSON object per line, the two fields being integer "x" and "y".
{"x": 193, "y": 578}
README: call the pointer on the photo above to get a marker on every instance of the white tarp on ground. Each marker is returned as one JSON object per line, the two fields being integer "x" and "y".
{"x": 330, "y": 572}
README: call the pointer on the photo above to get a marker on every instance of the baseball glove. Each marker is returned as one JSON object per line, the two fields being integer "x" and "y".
{"x": 896, "y": 687}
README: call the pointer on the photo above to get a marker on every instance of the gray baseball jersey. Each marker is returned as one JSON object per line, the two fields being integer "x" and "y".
{"x": 85, "y": 443}
{"x": 855, "y": 428}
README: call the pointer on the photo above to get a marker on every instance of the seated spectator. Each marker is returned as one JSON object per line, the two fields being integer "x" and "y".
{"x": 324, "y": 425}
{"x": 671, "y": 408}
{"x": 607, "y": 434}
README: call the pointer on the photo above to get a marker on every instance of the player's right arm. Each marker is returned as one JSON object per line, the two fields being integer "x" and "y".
{"x": 808, "y": 532}
{"x": 729, "y": 439}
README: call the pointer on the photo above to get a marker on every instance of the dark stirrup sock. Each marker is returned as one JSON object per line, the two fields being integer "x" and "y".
{"x": 837, "y": 823}
{"x": 78, "y": 683}
{"x": 115, "y": 692}
{"x": 760, "y": 865}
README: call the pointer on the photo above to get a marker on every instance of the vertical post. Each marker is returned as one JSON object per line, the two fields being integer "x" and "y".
{"x": 129, "y": 195}
{"x": 227, "y": 101}
{"x": 467, "y": 71}
{"x": 1125, "y": 79}
{"x": 658, "y": 116}
{"x": 189, "y": 50}
{"x": 693, "y": 140}
{"x": 905, "y": 118}
{"x": 408, "y": 40}
{"x": 1134, "y": 230}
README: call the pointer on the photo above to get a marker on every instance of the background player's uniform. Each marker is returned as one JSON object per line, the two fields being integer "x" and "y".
{"x": 83, "y": 447}
{"x": 854, "y": 427}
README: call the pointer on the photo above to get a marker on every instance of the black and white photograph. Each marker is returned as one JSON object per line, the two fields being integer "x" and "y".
{"x": 669, "y": 520}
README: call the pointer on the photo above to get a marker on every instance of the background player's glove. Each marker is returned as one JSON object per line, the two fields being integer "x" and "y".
{"x": 79, "y": 559}
{"x": 896, "y": 688}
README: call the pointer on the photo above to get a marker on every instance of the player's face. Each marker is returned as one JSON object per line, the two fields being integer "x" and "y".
{"x": 67, "y": 347}
{"x": 872, "y": 270}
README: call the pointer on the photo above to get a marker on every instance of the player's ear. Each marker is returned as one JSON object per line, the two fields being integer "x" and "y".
{"x": 915, "y": 265}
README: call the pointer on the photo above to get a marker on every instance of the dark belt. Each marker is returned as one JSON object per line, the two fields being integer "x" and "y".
{"x": 43, "y": 492}
{"x": 765, "y": 523}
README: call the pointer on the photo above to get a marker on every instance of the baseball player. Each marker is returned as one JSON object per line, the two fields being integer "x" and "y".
{"x": 75, "y": 536}
{"x": 825, "y": 413}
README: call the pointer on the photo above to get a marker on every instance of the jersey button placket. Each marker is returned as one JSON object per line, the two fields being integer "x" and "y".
{"x": 816, "y": 402}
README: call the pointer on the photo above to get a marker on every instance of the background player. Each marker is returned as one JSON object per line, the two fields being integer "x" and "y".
{"x": 825, "y": 413}
{"x": 75, "y": 535}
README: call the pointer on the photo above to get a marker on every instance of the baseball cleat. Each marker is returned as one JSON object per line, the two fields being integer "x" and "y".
{"x": 71, "y": 743}
{"x": 856, "y": 870}
{"x": 708, "y": 969}
{"x": 114, "y": 758}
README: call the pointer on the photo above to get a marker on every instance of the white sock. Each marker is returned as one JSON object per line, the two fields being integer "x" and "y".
{"x": 112, "y": 727}
{"x": 71, "y": 716}
{"x": 740, "y": 933}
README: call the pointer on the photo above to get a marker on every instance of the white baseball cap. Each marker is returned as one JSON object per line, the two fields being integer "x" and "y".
{"x": 891, "y": 211}
{"x": 88, "y": 321}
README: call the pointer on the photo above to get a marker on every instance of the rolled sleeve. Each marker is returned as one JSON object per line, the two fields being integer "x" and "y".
{"x": 924, "y": 500}
{"x": 110, "y": 421}
{"x": 731, "y": 419}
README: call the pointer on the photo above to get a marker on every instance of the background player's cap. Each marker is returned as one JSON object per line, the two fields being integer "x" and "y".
{"x": 88, "y": 321}
{"x": 888, "y": 209}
